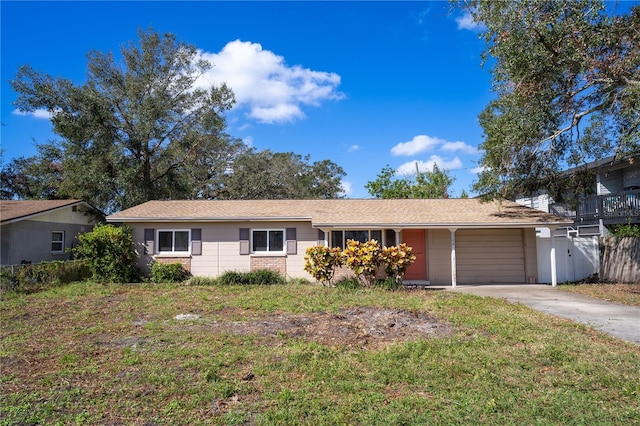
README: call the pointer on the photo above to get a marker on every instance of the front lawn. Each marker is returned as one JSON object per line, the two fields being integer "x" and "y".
{"x": 303, "y": 354}
{"x": 627, "y": 294}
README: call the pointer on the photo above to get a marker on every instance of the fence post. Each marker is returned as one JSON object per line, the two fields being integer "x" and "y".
{"x": 13, "y": 278}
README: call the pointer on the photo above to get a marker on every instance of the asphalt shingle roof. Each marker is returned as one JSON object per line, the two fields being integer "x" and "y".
{"x": 345, "y": 212}
{"x": 16, "y": 209}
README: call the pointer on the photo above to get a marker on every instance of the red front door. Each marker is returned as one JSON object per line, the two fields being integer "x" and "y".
{"x": 414, "y": 238}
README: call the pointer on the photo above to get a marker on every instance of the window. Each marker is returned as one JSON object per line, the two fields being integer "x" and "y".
{"x": 269, "y": 240}
{"x": 173, "y": 241}
{"x": 340, "y": 238}
{"x": 57, "y": 242}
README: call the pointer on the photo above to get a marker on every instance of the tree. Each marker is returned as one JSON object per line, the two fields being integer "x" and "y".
{"x": 280, "y": 175}
{"x": 566, "y": 75}
{"x": 427, "y": 184}
{"x": 132, "y": 132}
{"x": 37, "y": 177}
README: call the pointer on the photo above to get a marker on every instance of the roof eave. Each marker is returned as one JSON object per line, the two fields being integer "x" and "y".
{"x": 440, "y": 225}
{"x": 207, "y": 219}
{"x": 40, "y": 213}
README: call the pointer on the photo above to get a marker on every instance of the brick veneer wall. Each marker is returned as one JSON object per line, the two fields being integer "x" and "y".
{"x": 344, "y": 272}
{"x": 186, "y": 261}
{"x": 341, "y": 273}
{"x": 274, "y": 263}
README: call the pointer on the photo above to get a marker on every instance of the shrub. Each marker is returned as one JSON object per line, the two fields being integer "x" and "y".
{"x": 397, "y": 260}
{"x": 264, "y": 277}
{"x": 299, "y": 281}
{"x": 168, "y": 273}
{"x": 202, "y": 281}
{"x": 321, "y": 262}
{"x": 348, "y": 284}
{"x": 258, "y": 277}
{"x": 231, "y": 278}
{"x": 626, "y": 230}
{"x": 363, "y": 259}
{"x": 389, "y": 283}
{"x": 109, "y": 253}
{"x": 44, "y": 275}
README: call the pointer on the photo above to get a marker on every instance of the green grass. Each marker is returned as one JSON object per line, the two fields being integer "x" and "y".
{"x": 626, "y": 294}
{"x": 94, "y": 354}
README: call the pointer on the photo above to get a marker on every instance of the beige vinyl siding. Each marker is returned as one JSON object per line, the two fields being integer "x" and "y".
{"x": 439, "y": 256}
{"x": 220, "y": 246}
{"x": 220, "y": 250}
{"x": 490, "y": 256}
{"x": 307, "y": 237}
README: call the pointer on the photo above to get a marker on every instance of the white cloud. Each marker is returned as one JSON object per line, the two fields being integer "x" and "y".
{"x": 262, "y": 82}
{"x": 466, "y": 22}
{"x": 477, "y": 170}
{"x": 409, "y": 168}
{"x": 416, "y": 145}
{"x": 353, "y": 148}
{"x": 459, "y": 146}
{"x": 42, "y": 114}
{"x": 347, "y": 188}
{"x": 248, "y": 140}
{"x": 278, "y": 112}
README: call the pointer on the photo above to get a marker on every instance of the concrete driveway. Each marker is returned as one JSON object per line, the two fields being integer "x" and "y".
{"x": 618, "y": 320}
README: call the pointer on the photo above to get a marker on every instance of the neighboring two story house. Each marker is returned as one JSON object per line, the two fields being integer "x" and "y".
{"x": 34, "y": 231}
{"x": 615, "y": 200}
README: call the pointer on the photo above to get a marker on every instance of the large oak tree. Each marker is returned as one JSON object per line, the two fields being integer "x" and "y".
{"x": 138, "y": 127}
{"x": 566, "y": 75}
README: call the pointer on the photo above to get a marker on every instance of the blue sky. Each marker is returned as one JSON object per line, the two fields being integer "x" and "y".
{"x": 364, "y": 84}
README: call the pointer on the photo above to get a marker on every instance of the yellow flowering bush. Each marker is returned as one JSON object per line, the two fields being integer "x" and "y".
{"x": 397, "y": 260}
{"x": 321, "y": 262}
{"x": 363, "y": 259}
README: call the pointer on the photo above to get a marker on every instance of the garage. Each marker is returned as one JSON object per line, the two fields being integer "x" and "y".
{"x": 501, "y": 255}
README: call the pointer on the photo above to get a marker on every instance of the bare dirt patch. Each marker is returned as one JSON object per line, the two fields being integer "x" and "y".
{"x": 368, "y": 327}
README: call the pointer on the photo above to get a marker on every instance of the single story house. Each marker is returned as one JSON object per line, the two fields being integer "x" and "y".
{"x": 456, "y": 241}
{"x": 34, "y": 231}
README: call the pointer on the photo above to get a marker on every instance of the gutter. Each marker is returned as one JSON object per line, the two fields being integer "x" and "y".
{"x": 205, "y": 219}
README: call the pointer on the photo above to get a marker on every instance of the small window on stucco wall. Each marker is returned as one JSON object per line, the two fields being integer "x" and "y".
{"x": 57, "y": 242}
{"x": 173, "y": 240}
{"x": 267, "y": 240}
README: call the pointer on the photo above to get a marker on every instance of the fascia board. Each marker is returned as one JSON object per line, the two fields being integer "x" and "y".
{"x": 205, "y": 219}
{"x": 437, "y": 225}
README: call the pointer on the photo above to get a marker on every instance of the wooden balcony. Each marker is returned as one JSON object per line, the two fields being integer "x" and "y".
{"x": 618, "y": 208}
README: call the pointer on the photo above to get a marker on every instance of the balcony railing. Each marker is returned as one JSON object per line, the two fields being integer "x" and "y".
{"x": 620, "y": 207}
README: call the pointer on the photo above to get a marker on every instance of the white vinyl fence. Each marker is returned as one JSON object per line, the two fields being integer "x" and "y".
{"x": 576, "y": 258}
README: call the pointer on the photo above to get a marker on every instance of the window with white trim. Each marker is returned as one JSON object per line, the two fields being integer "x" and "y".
{"x": 340, "y": 238}
{"x": 57, "y": 241}
{"x": 267, "y": 240}
{"x": 173, "y": 241}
